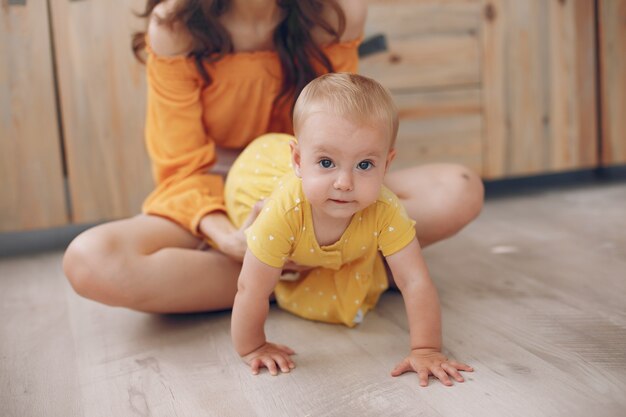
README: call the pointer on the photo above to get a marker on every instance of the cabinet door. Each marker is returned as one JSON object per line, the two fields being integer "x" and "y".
{"x": 31, "y": 169}
{"x": 539, "y": 85}
{"x": 432, "y": 67}
{"x": 612, "y": 37}
{"x": 102, "y": 91}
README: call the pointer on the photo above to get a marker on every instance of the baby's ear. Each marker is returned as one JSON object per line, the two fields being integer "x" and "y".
{"x": 390, "y": 157}
{"x": 295, "y": 157}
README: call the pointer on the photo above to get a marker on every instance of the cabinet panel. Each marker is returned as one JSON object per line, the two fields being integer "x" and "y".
{"x": 102, "y": 91}
{"x": 539, "y": 86}
{"x": 410, "y": 18}
{"x": 612, "y": 37}
{"x": 31, "y": 172}
{"x": 430, "y": 44}
{"x": 426, "y": 63}
{"x": 432, "y": 67}
{"x": 440, "y": 126}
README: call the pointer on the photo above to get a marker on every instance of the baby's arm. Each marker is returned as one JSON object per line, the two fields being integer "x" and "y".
{"x": 422, "y": 304}
{"x": 256, "y": 283}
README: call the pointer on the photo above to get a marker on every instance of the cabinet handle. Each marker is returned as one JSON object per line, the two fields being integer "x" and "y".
{"x": 17, "y": 2}
{"x": 373, "y": 44}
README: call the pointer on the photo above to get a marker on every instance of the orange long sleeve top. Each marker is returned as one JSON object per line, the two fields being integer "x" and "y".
{"x": 185, "y": 122}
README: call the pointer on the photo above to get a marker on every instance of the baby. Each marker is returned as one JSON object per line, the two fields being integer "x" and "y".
{"x": 326, "y": 207}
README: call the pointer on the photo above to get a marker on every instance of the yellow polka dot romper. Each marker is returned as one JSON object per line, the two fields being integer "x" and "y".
{"x": 349, "y": 275}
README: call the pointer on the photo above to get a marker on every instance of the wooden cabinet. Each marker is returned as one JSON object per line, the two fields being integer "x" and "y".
{"x": 102, "y": 93}
{"x": 31, "y": 170}
{"x": 95, "y": 132}
{"x": 506, "y": 87}
{"x": 539, "y": 87}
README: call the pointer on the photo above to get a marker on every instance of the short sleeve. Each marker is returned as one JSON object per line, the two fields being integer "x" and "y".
{"x": 272, "y": 235}
{"x": 394, "y": 227}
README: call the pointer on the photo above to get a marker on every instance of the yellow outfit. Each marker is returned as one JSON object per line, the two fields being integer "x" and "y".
{"x": 350, "y": 274}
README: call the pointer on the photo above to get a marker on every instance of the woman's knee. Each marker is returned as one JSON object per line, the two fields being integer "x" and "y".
{"x": 471, "y": 193}
{"x": 462, "y": 197}
{"x": 92, "y": 265}
{"x": 442, "y": 198}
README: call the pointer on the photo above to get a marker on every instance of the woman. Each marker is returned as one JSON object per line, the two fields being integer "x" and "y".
{"x": 221, "y": 73}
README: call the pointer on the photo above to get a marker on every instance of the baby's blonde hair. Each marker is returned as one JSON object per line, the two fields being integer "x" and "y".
{"x": 348, "y": 95}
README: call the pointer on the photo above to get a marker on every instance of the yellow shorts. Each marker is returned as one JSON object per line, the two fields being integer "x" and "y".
{"x": 255, "y": 174}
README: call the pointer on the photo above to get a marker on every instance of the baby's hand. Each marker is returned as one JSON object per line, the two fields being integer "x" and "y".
{"x": 270, "y": 355}
{"x": 430, "y": 361}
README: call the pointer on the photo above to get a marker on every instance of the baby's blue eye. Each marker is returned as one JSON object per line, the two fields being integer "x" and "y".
{"x": 326, "y": 163}
{"x": 365, "y": 165}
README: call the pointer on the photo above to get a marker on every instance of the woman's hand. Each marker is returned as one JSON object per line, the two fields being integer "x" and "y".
{"x": 431, "y": 362}
{"x": 229, "y": 240}
{"x": 272, "y": 357}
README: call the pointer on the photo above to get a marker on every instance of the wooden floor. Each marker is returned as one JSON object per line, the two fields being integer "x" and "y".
{"x": 533, "y": 296}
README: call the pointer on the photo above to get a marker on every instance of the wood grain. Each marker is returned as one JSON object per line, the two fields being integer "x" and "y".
{"x": 539, "y": 87}
{"x": 31, "y": 171}
{"x": 433, "y": 62}
{"x": 439, "y": 126}
{"x": 423, "y": 18}
{"x": 612, "y": 38}
{"x": 102, "y": 91}
{"x": 531, "y": 295}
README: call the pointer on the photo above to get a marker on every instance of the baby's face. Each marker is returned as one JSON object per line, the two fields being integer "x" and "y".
{"x": 342, "y": 163}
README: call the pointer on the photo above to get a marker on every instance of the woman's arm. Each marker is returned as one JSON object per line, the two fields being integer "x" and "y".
{"x": 218, "y": 228}
{"x": 356, "y": 15}
{"x": 180, "y": 150}
{"x": 167, "y": 40}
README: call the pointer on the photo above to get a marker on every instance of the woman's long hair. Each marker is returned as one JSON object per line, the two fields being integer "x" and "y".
{"x": 294, "y": 45}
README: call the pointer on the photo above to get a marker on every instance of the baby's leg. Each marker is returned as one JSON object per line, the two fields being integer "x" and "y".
{"x": 441, "y": 198}
{"x": 150, "y": 264}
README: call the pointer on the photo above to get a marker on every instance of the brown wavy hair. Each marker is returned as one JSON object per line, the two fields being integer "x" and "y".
{"x": 294, "y": 45}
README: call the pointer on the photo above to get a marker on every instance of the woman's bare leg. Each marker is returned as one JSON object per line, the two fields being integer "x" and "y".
{"x": 150, "y": 264}
{"x": 441, "y": 198}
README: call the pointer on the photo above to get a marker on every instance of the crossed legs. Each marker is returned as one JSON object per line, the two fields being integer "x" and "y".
{"x": 150, "y": 264}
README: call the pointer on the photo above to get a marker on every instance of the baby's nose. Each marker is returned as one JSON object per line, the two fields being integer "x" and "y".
{"x": 343, "y": 181}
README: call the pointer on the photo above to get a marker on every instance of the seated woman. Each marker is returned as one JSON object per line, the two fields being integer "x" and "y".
{"x": 221, "y": 73}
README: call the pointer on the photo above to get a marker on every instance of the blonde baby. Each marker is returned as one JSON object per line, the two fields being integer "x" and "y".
{"x": 325, "y": 207}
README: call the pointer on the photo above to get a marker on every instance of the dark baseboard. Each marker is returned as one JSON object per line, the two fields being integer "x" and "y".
{"x": 37, "y": 241}
{"x": 548, "y": 182}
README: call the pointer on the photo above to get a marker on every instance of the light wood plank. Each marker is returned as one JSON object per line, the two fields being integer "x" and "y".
{"x": 425, "y": 63}
{"x": 539, "y": 82}
{"x": 612, "y": 38}
{"x": 38, "y": 367}
{"x": 103, "y": 93}
{"x": 423, "y": 18}
{"x": 493, "y": 84}
{"x": 430, "y": 44}
{"x": 572, "y": 83}
{"x": 439, "y": 126}
{"x": 31, "y": 172}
